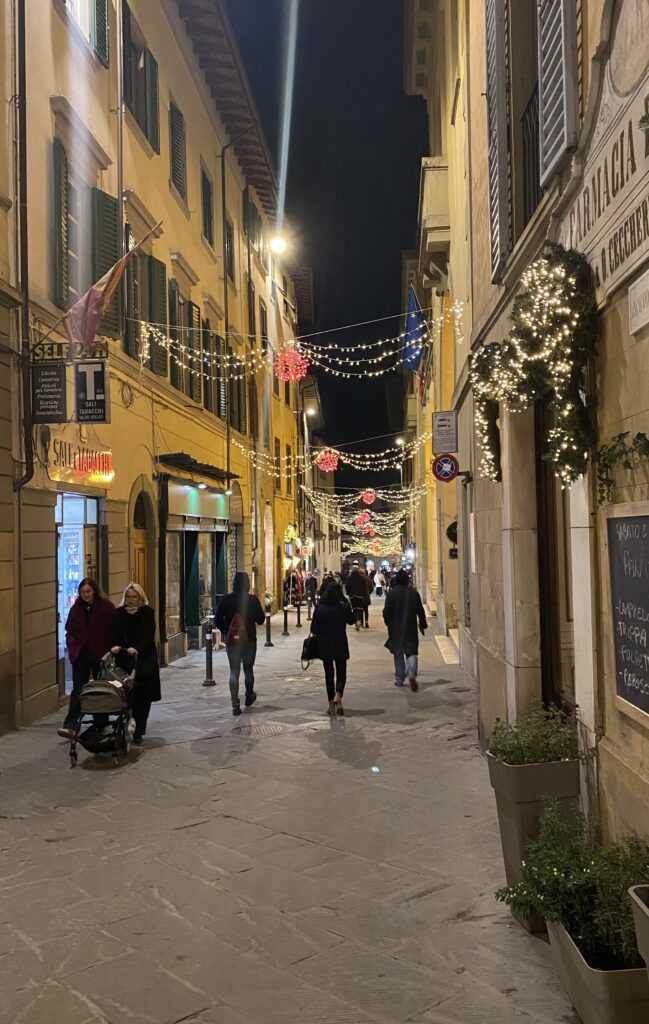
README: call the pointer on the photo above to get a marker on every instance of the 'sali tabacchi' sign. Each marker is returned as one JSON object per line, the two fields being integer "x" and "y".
{"x": 72, "y": 462}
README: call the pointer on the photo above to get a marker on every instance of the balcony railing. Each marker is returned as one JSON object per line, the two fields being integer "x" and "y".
{"x": 531, "y": 156}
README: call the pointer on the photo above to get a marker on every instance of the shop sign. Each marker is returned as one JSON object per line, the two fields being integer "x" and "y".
{"x": 609, "y": 219}
{"x": 76, "y": 463}
{"x": 628, "y": 547}
{"x": 49, "y": 400}
{"x": 639, "y": 304}
{"x": 52, "y": 351}
{"x": 444, "y": 432}
{"x": 91, "y": 391}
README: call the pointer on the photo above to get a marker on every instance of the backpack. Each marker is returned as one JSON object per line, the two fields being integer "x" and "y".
{"x": 237, "y": 632}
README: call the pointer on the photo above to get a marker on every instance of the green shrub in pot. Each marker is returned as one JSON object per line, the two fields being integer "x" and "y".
{"x": 540, "y": 735}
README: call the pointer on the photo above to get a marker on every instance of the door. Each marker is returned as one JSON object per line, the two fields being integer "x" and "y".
{"x": 139, "y": 564}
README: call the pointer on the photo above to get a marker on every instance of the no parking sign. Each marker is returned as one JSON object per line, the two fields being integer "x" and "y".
{"x": 445, "y": 468}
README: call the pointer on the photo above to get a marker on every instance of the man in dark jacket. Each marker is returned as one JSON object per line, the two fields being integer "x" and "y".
{"x": 358, "y": 592}
{"x": 402, "y": 610}
{"x": 237, "y": 616}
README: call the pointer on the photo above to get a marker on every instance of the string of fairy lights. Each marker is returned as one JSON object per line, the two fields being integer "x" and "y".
{"x": 329, "y": 459}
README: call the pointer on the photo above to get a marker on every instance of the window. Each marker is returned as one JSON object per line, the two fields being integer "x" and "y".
{"x": 214, "y": 373}
{"x": 185, "y": 343}
{"x": 252, "y": 319}
{"x": 275, "y": 379}
{"x": 238, "y": 393}
{"x": 73, "y": 242}
{"x": 91, "y": 16}
{"x": 263, "y": 326}
{"x": 207, "y": 205}
{"x": 287, "y": 392}
{"x": 205, "y": 574}
{"x": 173, "y": 583}
{"x": 278, "y": 465}
{"x": 558, "y": 82}
{"x": 177, "y": 154}
{"x": 285, "y": 291}
{"x": 140, "y": 79}
{"x": 229, "y": 248}
{"x": 289, "y": 470}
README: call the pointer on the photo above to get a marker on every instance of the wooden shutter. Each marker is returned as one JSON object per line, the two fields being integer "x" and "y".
{"x": 207, "y": 366}
{"x": 558, "y": 84}
{"x": 132, "y": 326}
{"x": 174, "y": 350}
{"x": 496, "y": 27}
{"x": 195, "y": 364}
{"x": 106, "y": 250}
{"x": 152, "y": 100}
{"x": 60, "y": 225}
{"x": 127, "y": 56}
{"x": 99, "y": 29}
{"x": 177, "y": 148}
{"x": 242, "y": 384}
{"x": 222, "y": 371}
{"x": 158, "y": 314}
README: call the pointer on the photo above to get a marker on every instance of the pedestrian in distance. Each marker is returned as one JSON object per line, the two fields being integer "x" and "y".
{"x": 131, "y": 637}
{"x": 311, "y": 587}
{"x": 237, "y": 616}
{"x": 327, "y": 581}
{"x": 379, "y": 582}
{"x": 330, "y": 620}
{"x": 86, "y": 638}
{"x": 402, "y": 612}
{"x": 358, "y": 592}
{"x": 369, "y": 583}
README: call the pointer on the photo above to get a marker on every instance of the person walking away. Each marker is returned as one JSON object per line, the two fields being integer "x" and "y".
{"x": 132, "y": 641}
{"x": 402, "y": 611}
{"x": 357, "y": 592}
{"x": 237, "y": 616}
{"x": 370, "y": 590}
{"x": 331, "y": 617}
{"x": 86, "y": 638}
{"x": 379, "y": 583}
{"x": 311, "y": 587}
{"x": 327, "y": 581}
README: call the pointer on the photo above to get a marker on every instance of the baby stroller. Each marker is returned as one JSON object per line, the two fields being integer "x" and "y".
{"x": 110, "y": 695}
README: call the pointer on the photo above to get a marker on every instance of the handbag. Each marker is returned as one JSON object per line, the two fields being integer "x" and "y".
{"x": 309, "y": 650}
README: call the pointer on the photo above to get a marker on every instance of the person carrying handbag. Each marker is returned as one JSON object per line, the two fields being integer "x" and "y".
{"x": 237, "y": 616}
{"x": 329, "y": 624}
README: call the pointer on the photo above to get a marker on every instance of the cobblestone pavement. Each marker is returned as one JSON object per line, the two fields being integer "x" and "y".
{"x": 276, "y": 868}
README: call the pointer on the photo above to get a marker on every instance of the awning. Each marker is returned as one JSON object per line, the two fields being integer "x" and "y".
{"x": 179, "y": 460}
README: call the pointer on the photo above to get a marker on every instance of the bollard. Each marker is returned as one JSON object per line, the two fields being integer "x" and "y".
{"x": 298, "y": 620}
{"x": 209, "y": 672}
{"x": 308, "y": 607}
{"x": 269, "y": 642}
{"x": 285, "y": 630}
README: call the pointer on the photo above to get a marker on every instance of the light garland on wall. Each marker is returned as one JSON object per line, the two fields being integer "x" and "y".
{"x": 554, "y": 331}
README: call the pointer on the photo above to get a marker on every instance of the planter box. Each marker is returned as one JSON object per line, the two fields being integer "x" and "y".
{"x": 520, "y": 789}
{"x": 599, "y": 997}
{"x": 640, "y": 897}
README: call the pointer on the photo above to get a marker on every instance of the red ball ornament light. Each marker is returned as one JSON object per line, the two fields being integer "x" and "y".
{"x": 362, "y": 518}
{"x": 291, "y": 364}
{"x": 327, "y": 460}
{"x": 368, "y": 497}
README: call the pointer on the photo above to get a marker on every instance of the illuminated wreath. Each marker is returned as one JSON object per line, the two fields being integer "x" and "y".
{"x": 327, "y": 460}
{"x": 291, "y": 364}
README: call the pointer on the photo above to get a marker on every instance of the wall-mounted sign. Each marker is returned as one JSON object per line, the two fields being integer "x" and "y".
{"x": 91, "y": 391}
{"x": 628, "y": 550}
{"x": 49, "y": 404}
{"x": 445, "y": 468}
{"x": 52, "y": 351}
{"x": 444, "y": 432}
{"x": 639, "y": 304}
{"x": 76, "y": 463}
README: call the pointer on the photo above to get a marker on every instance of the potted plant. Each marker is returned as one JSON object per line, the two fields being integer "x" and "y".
{"x": 534, "y": 758}
{"x": 580, "y": 885}
{"x": 640, "y": 901}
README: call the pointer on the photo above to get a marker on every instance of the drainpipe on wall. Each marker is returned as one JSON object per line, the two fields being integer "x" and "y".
{"x": 28, "y": 439}
{"x": 255, "y": 518}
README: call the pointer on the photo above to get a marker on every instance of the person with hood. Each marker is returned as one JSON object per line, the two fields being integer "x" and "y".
{"x": 311, "y": 587}
{"x": 237, "y": 616}
{"x": 331, "y": 617}
{"x": 402, "y": 611}
{"x": 132, "y": 640}
{"x": 358, "y": 592}
{"x": 86, "y": 637}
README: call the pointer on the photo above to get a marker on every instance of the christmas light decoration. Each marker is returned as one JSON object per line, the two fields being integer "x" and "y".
{"x": 362, "y": 519}
{"x": 554, "y": 331}
{"x": 291, "y": 364}
{"x": 327, "y": 460}
{"x": 368, "y": 497}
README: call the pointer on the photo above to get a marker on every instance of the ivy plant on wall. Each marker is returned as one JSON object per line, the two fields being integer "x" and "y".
{"x": 618, "y": 452}
{"x": 554, "y": 330}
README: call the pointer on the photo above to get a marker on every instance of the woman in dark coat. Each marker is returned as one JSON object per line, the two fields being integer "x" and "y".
{"x": 86, "y": 637}
{"x": 132, "y": 633}
{"x": 330, "y": 620}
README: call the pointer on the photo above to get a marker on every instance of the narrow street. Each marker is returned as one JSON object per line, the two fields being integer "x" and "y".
{"x": 279, "y": 867}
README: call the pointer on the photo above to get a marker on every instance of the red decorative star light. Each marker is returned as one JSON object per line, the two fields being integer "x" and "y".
{"x": 291, "y": 365}
{"x": 327, "y": 460}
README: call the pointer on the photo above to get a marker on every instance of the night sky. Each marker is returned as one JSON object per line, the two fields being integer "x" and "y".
{"x": 353, "y": 179}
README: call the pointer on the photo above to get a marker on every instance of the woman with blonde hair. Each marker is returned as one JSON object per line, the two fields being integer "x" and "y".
{"x": 132, "y": 637}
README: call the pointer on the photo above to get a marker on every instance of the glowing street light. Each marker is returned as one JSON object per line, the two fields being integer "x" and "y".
{"x": 278, "y": 245}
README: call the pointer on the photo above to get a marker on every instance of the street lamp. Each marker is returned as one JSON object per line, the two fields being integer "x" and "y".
{"x": 278, "y": 245}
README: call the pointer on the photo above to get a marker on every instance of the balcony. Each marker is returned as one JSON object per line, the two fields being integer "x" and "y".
{"x": 434, "y": 223}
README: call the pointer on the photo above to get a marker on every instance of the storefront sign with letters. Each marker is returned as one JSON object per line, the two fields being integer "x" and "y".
{"x": 73, "y": 462}
{"x": 91, "y": 390}
{"x": 49, "y": 400}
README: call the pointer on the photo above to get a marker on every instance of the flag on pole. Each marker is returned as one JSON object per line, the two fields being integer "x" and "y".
{"x": 81, "y": 321}
{"x": 416, "y": 333}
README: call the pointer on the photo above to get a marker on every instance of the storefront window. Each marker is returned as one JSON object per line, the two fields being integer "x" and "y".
{"x": 173, "y": 584}
{"x": 205, "y": 574}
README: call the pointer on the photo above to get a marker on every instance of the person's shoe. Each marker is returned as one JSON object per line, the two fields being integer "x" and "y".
{"x": 398, "y": 682}
{"x": 367, "y": 625}
{"x": 338, "y": 704}
{"x": 414, "y": 685}
{"x": 250, "y": 699}
{"x": 137, "y": 739}
{"x": 236, "y": 709}
{"x": 331, "y": 710}
{"x": 66, "y": 733}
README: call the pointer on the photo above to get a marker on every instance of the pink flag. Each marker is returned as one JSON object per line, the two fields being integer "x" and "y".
{"x": 82, "y": 320}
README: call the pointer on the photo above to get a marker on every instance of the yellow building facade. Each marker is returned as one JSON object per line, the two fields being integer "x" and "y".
{"x": 192, "y": 477}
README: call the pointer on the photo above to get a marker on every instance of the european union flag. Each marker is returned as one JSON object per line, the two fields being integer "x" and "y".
{"x": 416, "y": 333}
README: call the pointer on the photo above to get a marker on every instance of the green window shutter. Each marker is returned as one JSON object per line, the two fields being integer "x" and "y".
{"x": 60, "y": 225}
{"x": 132, "y": 326}
{"x": 221, "y": 371}
{"x": 127, "y": 56}
{"x": 157, "y": 314}
{"x": 174, "y": 352}
{"x": 207, "y": 365}
{"x": 194, "y": 342}
{"x": 243, "y": 391}
{"x": 152, "y": 101}
{"x": 99, "y": 29}
{"x": 177, "y": 148}
{"x": 106, "y": 250}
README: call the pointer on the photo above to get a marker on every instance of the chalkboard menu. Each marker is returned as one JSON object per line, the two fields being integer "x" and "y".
{"x": 628, "y": 546}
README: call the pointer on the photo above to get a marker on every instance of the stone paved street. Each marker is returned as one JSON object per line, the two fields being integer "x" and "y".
{"x": 277, "y": 868}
